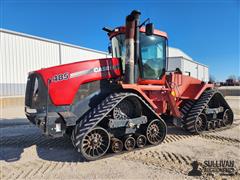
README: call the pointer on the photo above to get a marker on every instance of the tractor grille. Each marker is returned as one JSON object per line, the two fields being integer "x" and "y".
{"x": 36, "y": 92}
{"x": 29, "y": 90}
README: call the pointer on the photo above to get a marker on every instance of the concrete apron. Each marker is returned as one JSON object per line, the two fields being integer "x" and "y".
{"x": 9, "y": 101}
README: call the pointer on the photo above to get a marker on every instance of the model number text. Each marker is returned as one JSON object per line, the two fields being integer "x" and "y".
{"x": 60, "y": 77}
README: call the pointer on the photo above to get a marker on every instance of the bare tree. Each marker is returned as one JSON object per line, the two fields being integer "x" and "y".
{"x": 232, "y": 77}
{"x": 231, "y": 81}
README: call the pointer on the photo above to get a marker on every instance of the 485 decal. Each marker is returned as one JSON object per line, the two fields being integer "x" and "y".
{"x": 60, "y": 77}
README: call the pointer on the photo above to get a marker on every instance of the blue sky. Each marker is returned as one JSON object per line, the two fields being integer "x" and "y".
{"x": 207, "y": 30}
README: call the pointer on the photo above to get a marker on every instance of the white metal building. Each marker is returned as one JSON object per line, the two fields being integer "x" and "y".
{"x": 21, "y": 53}
{"x": 178, "y": 59}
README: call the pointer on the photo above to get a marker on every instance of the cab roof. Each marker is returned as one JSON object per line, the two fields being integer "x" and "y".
{"x": 122, "y": 29}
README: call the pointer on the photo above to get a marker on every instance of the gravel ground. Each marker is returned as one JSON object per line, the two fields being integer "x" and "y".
{"x": 26, "y": 154}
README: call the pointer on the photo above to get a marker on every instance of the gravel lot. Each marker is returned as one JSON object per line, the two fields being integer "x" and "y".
{"x": 26, "y": 154}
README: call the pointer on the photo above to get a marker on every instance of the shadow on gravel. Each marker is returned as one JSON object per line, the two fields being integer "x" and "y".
{"x": 10, "y": 122}
{"x": 20, "y": 139}
{"x": 172, "y": 130}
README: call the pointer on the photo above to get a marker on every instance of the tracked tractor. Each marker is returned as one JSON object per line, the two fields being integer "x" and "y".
{"x": 121, "y": 103}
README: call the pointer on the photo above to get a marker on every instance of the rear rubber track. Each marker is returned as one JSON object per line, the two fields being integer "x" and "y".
{"x": 191, "y": 111}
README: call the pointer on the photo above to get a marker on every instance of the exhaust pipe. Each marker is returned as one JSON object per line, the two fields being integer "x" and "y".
{"x": 132, "y": 47}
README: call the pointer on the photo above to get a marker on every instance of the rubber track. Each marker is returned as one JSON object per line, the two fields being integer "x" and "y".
{"x": 186, "y": 107}
{"x": 192, "y": 112}
{"x": 91, "y": 119}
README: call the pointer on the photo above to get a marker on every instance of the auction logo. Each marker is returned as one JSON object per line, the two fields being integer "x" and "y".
{"x": 210, "y": 167}
{"x": 222, "y": 167}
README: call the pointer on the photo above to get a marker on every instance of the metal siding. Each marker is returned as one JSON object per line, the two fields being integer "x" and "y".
{"x": 22, "y": 53}
{"x": 73, "y": 54}
{"x": 174, "y": 63}
{"x": 2, "y": 62}
{"x": 197, "y": 70}
{"x": 190, "y": 67}
{"x": 206, "y": 74}
{"x": 200, "y": 71}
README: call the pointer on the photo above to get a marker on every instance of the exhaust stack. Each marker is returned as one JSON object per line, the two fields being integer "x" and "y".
{"x": 132, "y": 47}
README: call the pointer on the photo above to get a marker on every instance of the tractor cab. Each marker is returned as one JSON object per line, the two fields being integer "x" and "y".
{"x": 152, "y": 53}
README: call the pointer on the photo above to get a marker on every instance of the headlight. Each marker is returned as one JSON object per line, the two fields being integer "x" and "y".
{"x": 29, "y": 110}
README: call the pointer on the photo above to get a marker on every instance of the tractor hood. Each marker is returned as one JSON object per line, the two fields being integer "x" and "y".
{"x": 67, "y": 79}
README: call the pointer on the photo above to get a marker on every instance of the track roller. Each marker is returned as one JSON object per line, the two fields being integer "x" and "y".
{"x": 216, "y": 123}
{"x": 209, "y": 126}
{"x": 129, "y": 143}
{"x": 220, "y": 122}
{"x": 116, "y": 145}
{"x": 141, "y": 141}
{"x": 213, "y": 125}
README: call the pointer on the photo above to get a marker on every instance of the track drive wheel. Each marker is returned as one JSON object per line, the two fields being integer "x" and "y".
{"x": 94, "y": 144}
{"x": 156, "y": 131}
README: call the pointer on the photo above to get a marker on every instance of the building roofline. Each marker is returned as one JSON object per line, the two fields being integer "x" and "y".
{"x": 50, "y": 40}
{"x": 188, "y": 60}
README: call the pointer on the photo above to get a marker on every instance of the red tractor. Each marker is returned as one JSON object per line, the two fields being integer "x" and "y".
{"x": 107, "y": 105}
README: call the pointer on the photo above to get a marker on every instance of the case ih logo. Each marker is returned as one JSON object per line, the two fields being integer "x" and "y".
{"x": 104, "y": 68}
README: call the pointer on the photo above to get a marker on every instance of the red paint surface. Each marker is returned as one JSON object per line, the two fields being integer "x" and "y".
{"x": 63, "y": 92}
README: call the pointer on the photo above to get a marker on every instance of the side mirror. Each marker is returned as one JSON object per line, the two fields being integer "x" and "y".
{"x": 110, "y": 49}
{"x": 149, "y": 29}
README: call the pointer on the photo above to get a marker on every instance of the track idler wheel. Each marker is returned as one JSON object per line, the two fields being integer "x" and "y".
{"x": 141, "y": 141}
{"x": 95, "y": 143}
{"x": 201, "y": 123}
{"x": 116, "y": 145}
{"x": 227, "y": 117}
{"x": 129, "y": 143}
{"x": 156, "y": 131}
